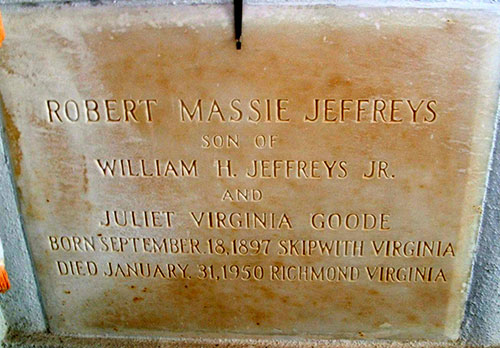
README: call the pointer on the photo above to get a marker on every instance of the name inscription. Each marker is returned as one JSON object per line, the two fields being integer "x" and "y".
{"x": 391, "y": 111}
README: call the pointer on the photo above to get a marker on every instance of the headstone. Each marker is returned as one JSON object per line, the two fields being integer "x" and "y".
{"x": 326, "y": 180}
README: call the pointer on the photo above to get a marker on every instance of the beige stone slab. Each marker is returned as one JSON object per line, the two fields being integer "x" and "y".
{"x": 259, "y": 263}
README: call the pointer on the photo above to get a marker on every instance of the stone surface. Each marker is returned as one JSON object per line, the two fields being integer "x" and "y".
{"x": 27, "y": 318}
{"x": 443, "y": 63}
{"x": 51, "y": 341}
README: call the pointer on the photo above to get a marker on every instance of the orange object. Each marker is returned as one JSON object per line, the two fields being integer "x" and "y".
{"x": 4, "y": 279}
{"x": 2, "y": 30}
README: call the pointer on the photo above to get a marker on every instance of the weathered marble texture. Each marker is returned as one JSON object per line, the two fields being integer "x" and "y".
{"x": 167, "y": 53}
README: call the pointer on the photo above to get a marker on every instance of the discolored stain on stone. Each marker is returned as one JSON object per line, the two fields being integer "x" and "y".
{"x": 122, "y": 100}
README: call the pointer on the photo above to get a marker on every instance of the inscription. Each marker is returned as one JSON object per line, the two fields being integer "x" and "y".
{"x": 248, "y": 272}
{"x": 143, "y": 168}
{"x": 241, "y": 220}
{"x": 252, "y": 256}
{"x": 146, "y": 270}
{"x": 250, "y": 247}
{"x": 105, "y": 110}
{"x": 253, "y": 111}
{"x": 242, "y": 195}
{"x": 137, "y": 219}
{"x": 297, "y": 169}
{"x": 351, "y": 221}
{"x": 220, "y": 141}
{"x": 392, "y": 111}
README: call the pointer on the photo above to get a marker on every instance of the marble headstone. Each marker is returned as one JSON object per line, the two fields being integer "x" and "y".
{"x": 324, "y": 181}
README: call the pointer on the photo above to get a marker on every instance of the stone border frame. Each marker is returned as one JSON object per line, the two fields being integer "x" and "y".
{"x": 24, "y": 323}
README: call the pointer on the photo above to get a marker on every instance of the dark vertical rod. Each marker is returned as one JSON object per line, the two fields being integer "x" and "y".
{"x": 238, "y": 19}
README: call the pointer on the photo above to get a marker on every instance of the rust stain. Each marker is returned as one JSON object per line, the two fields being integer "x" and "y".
{"x": 14, "y": 137}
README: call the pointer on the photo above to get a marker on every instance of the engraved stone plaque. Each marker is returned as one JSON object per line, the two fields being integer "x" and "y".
{"x": 324, "y": 181}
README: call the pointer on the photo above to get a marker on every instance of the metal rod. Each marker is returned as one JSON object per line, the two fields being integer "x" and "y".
{"x": 238, "y": 19}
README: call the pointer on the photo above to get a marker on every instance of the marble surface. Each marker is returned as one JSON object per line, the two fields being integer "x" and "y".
{"x": 410, "y": 91}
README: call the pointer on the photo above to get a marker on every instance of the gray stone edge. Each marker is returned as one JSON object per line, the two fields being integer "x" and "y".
{"x": 21, "y": 306}
{"x": 15, "y": 340}
{"x": 481, "y": 323}
{"x": 461, "y": 4}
